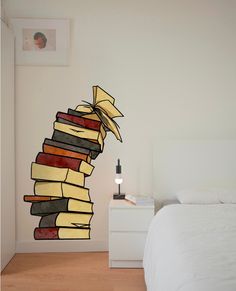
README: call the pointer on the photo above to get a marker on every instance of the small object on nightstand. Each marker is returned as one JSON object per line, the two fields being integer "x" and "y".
{"x": 139, "y": 200}
{"x": 118, "y": 181}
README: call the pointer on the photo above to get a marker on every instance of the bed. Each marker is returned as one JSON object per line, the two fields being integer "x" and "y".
{"x": 192, "y": 248}
{"x": 191, "y": 245}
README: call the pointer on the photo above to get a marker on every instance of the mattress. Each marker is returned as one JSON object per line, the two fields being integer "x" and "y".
{"x": 192, "y": 248}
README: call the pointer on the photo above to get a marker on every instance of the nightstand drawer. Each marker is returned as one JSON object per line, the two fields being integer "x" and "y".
{"x": 130, "y": 219}
{"x": 128, "y": 227}
{"x": 126, "y": 246}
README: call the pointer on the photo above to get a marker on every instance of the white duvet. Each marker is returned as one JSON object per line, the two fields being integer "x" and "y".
{"x": 192, "y": 248}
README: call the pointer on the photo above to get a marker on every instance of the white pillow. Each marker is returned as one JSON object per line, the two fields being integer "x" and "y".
{"x": 227, "y": 196}
{"x": 206, "y": 196}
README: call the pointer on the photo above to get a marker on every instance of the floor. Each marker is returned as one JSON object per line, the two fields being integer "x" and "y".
{"x": 68, "y": 272}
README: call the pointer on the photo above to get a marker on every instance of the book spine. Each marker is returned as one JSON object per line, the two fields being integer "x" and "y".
{"x": 59, "y": 189}
{"x": 101, "y": 130}
{"x": 35, "y": 198}
{"x": 87, "y": 123}
{"x": 66, "y": 219}
{"x": 66, "y": 146}
{"x": 49, "y": 207}
{"x": 61, "y": 233}
{"x": 58, "y": 161}
{"x": 60, "y": 205}
{"x": 77, "y": 141}
{"x": 48, "y": 220}
{"x": 46, "y": 233}
{"x": 61, "y": 152}
{"x": 79, "y": 131}
{"x": 87, "y": 115}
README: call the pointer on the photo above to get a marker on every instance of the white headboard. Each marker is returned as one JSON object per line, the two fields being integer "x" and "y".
{"x": 182, "y": 164}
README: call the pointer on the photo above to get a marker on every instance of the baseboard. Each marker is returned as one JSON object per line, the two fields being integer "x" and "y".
{"x": 126, "y": 264}
{"x": 61, "y": 246}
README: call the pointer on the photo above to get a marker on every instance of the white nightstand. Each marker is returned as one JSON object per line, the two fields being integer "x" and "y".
{"x": 128, "y": 226}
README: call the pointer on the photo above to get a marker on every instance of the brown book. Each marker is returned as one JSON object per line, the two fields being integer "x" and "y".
{"x": 35, "y": 198}
{"x": 64, "y": 162}
{"x": 64, "y": 145}
{"x": 61, "y": 152}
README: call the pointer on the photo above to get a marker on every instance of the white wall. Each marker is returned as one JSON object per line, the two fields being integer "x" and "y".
{"x": 7, "y": 146}
{"x": 171, "y": 66}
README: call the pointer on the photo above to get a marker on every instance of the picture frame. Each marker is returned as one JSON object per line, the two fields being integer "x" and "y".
{"x": 43, "y": 42}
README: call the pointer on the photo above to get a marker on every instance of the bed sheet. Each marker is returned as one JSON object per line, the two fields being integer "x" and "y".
{"x": 192, "y": 248}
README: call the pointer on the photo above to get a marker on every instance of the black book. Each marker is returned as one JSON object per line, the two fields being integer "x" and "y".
{"x": 61, "y": 205}
{"x": 60, "y": 136}
{"x": 66, "y": 146}
{"x": 76, "y": 113}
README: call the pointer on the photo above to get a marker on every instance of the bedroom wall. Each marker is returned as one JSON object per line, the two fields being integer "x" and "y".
{"x": 7, "y": 155}
{"x": 171, "y": 66}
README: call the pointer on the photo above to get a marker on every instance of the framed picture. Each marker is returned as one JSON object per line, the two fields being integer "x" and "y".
{"x": 41, "y": 41}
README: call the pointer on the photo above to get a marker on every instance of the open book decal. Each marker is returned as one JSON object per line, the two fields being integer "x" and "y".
{"x": 59, "y": 171}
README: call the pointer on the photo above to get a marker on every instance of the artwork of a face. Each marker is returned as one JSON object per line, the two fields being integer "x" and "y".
{"x": 39, "y": 39}
{"x": 61, "y": 199}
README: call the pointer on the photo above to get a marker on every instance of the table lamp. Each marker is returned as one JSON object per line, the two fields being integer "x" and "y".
{"x": 118, "y": 181}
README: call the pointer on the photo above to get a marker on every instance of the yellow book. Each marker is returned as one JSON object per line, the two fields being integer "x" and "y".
{"x": 73, "y": 233}
{"x": 81, "y": 132}
{"x": 86, "y": 168}
{"x": 79, "y": 206}
{"x": 103, "y": 105}
{"x": 68, "y": 219}
{"x": 87, "y": 113}
{"x": 103, "y": 101}
{"x": 59, "y": 189}
{"x": 48, "y": 173}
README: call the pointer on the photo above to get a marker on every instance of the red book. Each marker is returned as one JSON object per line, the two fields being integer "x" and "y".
{"x": 46, "y": 233}
{"x": 84, "y": 122}
{"x": 62, "y": 233}
{"x": 58, "y": 161}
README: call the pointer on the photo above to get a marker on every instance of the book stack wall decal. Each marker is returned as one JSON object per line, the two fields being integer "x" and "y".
{"x": 59, "y": 171}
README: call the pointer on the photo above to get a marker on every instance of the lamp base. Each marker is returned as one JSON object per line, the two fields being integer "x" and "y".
{"x": 118, "y": 196}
